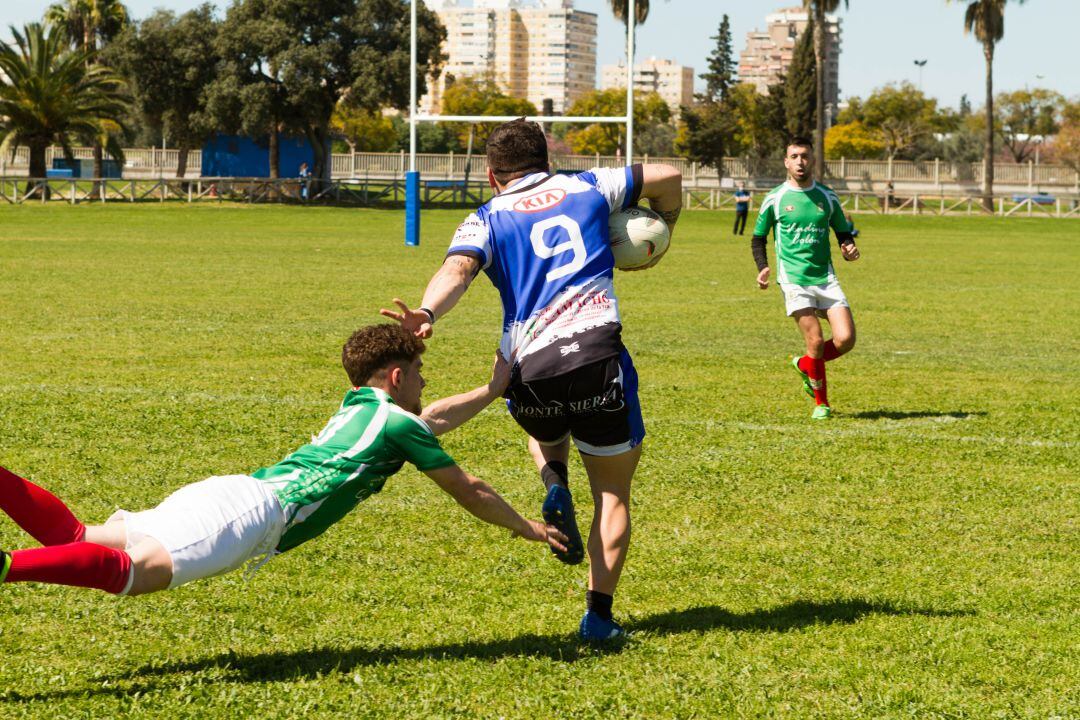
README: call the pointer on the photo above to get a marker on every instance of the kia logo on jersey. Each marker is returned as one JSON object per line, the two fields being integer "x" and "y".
{"x": 540, "y": 201}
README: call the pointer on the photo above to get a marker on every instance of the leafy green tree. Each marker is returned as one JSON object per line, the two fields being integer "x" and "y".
{"x": 608, "y": 138}
{"x": 289, "y": 64}
{"x": 1025, "y": 118}
{"x": 430, "y": 137}
{"x": 170, "y": 62}
{"x": 707, "y": 134}
{"x": 480, "y": 96}
{"x": 757, "y": 133}
{"x": 852, "y": 140}
{"x": 900, "y": 116}
{"x": 800, "y": 88}
{"x": 90, "y": 25}
{"x": 722, "y": 67}
{"x": 985, "y": 19}
{"x": 364, "y": 130}
{"x": 818, "y": 10}
{"x": 1067, "y": 143}
{"x": 49, "y": 94}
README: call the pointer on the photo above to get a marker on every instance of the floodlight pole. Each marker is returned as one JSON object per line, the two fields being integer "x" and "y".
{"x": 412, "y": 177}
{"x": 631, "y": 18}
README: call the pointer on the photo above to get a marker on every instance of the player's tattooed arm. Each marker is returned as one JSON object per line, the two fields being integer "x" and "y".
{"x": 446, "y": 287}
{"x": 662, "y": 186}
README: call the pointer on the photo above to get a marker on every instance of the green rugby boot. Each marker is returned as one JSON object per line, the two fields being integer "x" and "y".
{"x": 807, "y": 387}
{"x": 821, "y": 412}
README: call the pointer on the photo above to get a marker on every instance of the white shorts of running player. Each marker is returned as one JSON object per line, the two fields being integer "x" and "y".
{"x": 816, "y": 297}
{"x": 210, "y": 527}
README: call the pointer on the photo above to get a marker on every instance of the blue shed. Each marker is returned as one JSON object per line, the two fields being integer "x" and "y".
{"x": 242, "y": 156}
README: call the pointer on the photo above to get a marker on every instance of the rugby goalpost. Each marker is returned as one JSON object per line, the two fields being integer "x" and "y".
{"x": 412, "y": 176}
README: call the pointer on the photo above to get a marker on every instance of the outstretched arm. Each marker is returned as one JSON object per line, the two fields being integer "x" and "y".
{"x": 444, "y": 415}
{"x": 482, "y": 501}
{"x": 447, "y": 286}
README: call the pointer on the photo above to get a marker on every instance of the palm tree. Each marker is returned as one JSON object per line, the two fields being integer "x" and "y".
{"x": 90, "y": 24}
{"x": 621, "y": 8}
{"x": 985, "y": 19}
{"x": 819, "y": 8}
{"x": 50, "y": 94}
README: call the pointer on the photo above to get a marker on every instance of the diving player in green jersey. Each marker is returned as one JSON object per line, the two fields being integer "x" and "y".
{"x": 800, "y": 213}
{"x": 219, "y": 524}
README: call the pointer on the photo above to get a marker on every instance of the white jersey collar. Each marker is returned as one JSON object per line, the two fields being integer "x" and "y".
{"x": 796, "y": 188}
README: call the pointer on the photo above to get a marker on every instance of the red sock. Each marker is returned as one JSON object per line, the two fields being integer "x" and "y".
{"x": 81, "y": 564}
{"x": 815, "y": 368}
{"x": 831, "y": 353}
{"x": 38, "y": 511}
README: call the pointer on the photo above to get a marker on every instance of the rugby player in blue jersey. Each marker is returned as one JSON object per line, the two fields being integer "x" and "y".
{"x": 543, "y": 242}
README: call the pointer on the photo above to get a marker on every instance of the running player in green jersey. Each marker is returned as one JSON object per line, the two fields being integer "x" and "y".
{"x": 219, "y": 524}
{"x": 800, "y": 213}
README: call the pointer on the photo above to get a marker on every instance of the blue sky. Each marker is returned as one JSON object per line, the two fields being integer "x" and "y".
{"x": 881, "y": 40}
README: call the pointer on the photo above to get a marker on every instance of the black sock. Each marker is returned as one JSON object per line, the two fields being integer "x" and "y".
{"x": 555, "y": 472}
{"x": 599, "y": 603}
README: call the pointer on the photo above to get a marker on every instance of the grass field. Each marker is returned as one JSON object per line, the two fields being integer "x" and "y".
{"x": 918, "y": 556}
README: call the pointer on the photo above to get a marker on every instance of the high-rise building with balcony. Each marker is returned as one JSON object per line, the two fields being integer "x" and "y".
{"x": 533, "y": 49}
{"x": 769, "y": 53}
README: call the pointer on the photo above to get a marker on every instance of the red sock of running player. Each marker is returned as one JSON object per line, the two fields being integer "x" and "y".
{"x": 831, "y": 353}
{"x": 37, "y": 511}
{"x": 81, "y": 564}
{"x": 815, "y": 368}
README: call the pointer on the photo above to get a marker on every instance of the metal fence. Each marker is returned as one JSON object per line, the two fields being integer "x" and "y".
{"x": 853, "y": 174}
{"x": 458, "y": 194}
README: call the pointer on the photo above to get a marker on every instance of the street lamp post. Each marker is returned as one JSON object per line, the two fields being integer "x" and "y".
{"x": 921, "y": 64}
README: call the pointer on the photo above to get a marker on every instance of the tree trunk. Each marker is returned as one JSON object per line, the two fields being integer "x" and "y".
{"x": 181, "y": 161}
{"x": 37, "y": 167}
{"x": 275, "y": 156}
{"x": 99, "y": 166}
{"x": 819, "y": 76}
{"x": 988, "y": 148}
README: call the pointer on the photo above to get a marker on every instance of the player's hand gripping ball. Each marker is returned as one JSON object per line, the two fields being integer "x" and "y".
{"x": 638, "y": 237}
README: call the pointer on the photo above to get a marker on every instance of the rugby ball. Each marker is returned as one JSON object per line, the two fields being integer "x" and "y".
{"x": 637, "y": 237}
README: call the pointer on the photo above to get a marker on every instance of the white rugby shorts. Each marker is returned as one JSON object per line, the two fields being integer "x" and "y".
{"x": 210, "y": 527}
{"x": 817, "y": 297}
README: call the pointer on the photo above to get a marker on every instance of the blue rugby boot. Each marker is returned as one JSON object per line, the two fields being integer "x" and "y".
{"x": 558, "y": 510}
{"x": 596, "y": 629}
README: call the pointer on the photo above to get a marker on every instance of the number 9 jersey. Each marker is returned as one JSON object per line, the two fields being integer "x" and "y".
{"x": 544, "y": 244}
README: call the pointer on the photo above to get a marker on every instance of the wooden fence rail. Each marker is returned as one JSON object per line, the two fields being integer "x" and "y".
{"x": 147, "y": 162}
{"x": 442, "y": 193}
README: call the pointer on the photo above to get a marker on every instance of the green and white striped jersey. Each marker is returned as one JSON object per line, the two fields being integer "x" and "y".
{"x": 801, "y": 220}
{"x": 365, "y": 442}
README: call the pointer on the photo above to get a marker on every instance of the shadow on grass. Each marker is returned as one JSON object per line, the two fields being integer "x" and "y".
{"x": 286, "y": 665}
{"x": 913, "y": 414}
{"x": 791, "y": 616}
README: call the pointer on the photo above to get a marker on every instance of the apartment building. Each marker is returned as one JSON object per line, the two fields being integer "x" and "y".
{"x": 533, "y": 49}
{"x": 673, "y": 82}
{"x": 769, "y": 52}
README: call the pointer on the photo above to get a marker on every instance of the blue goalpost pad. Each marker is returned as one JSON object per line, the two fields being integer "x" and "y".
{"x": 412, "y": 208}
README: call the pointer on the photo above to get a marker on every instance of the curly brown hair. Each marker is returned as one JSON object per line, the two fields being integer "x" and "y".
{"x": 376, "y": 347}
